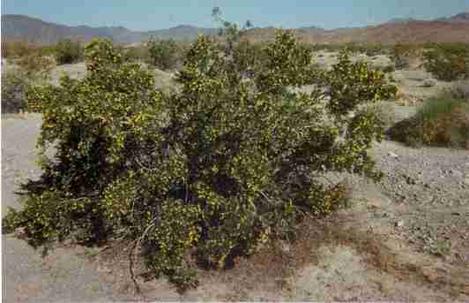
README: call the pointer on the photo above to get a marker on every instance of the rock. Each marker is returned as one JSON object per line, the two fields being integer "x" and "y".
{"x": 428, "y": 83}
{"x": 20, "y": 233}
{"x": 466, "y": 180}
{"x": 393, "y": 155}
{"x": 456, "y": 173}
{"x": 410, "y": 180}
{"x": 399, "y": 223}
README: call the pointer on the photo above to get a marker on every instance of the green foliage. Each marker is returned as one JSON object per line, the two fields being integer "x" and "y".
{"x": 248, "y": 57}
{"x": 441, "y": 121}
{"x": 448, "y": 62}
{"x": 68, "y": 51}
{"x": 164, "y": 54}
{"x": 204, "y": 174}
{"x": 287, "y": 64}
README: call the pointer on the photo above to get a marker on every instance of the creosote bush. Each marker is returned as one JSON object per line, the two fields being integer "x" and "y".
{"x": 448, "y": 62}
{"x": 205, "y": 174}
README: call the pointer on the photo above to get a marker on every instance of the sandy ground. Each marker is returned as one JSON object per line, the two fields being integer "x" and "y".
{"x": 403, "y": 239}
{"x": 61, "y": 277}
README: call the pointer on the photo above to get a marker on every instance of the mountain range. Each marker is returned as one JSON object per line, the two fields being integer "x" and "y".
{"x": 450, "y": 29}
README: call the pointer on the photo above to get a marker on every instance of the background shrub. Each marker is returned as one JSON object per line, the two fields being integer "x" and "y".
{"x": 35, "y": 64}
{"x": 460, "y": 90}
{"x": 67, "y": 51}
{"x": 14, "y": 85}
{"x": 31, "y": 68}
{"x": 204, "y": 174}
{"x": 138, "y": 53}
{"x": 448, "y": 62}
{"x": 17, "y": 49}
{"x": 164, "y": 54}
{"x": 403, "y": 55}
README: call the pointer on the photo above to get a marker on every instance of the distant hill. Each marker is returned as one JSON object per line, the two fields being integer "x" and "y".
{"x": 451, "y": 29}
{"x": 459, "y": 18}
{"x": 19, "y": 27}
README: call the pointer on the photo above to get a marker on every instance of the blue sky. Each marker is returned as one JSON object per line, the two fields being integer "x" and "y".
{"x": 156, "y": 14}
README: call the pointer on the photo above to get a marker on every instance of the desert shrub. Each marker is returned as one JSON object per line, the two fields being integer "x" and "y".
{"x": 402, "y": 55}
{"x": 448, "y": 62}
{"x": 164, "y": 53}
{"x": 248, "y": 57}
{"x": 441, "y": 121}
{"x": 14, "y": 85}
{"x": 460, "y": 90}
{"x": 204, "y": 174}
{"x": 32, "y": 68}
{"x": 17, "y": 49}
{"x": 385, "y": 113}
{"x": 35, "y": 64}
{"x": 138, "y": 53}
{"x": 68, "y": 51}
{"x": 369, "y": 49}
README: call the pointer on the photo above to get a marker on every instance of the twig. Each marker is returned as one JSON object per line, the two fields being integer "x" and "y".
{"x": 132, "y": 252}
{"x": 131, "y": 266}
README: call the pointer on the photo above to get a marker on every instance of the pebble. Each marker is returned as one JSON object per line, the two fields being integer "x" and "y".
{"x": 393, "y": 155}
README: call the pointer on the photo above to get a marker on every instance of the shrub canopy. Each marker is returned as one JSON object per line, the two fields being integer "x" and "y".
{"x": 231, "y": 160}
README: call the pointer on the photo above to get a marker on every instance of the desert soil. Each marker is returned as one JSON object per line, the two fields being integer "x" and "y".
{"x": 404, "y": 238}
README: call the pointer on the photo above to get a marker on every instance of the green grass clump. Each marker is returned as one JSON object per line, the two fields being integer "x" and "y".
{"x": 441, "y": 121}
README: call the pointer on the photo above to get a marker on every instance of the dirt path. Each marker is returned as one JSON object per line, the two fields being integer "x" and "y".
{"x": 405, "y": 238}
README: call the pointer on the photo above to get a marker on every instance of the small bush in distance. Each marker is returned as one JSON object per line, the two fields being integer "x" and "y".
{"x": 35, "y": 64}
{"x": 448, "y": 62}
{"x": 204, "y": 174}
{"x": 17, "y": 49}
{"x": 137, "y": 53}
{"x": 68, "y": 51}
{"x": 163, "y": 54}
{"x": 402, "y": 55}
